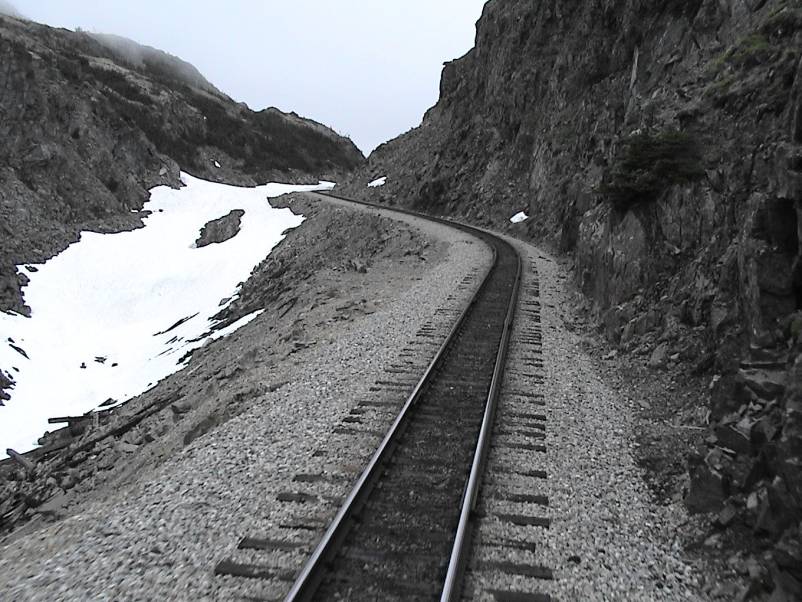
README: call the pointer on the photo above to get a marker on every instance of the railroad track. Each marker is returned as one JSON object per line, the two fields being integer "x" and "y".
{"x": 404, "y": 530}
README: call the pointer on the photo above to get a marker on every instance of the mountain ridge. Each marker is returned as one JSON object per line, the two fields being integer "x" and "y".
{"x": 92, "y": 122}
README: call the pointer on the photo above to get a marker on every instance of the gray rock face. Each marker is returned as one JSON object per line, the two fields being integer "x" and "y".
{"x": 544, "y": 108}
{"x": 220, "y": 229}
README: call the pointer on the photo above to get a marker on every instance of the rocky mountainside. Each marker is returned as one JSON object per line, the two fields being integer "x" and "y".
{"x": 659, "y": 144}
{"x": 90, "y": 122}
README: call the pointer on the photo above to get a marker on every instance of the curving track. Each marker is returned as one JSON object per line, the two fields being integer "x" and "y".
{"x": 403, "y": 533}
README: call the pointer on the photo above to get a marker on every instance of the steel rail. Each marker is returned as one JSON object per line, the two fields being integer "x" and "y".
{"x": 309, "y": 578}
{"x": 452, "y": 586}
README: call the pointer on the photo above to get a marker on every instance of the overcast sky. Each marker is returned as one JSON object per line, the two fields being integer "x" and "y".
{"x": 367, "y": 68}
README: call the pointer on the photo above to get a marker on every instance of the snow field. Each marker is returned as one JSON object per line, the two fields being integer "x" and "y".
{"x": 114, "y": 313}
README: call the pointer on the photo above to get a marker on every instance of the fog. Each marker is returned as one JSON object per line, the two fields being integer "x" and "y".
{"x": 368, "y": 69}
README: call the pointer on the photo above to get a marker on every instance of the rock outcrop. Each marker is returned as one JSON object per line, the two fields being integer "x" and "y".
{"x": 659, "y": 143}
{"x": 220, "y": 229}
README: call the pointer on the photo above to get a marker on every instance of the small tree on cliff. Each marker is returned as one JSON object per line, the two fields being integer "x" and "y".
{"x": 647, "y": 163}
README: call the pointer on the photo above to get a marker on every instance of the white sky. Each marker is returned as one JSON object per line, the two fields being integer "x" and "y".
{"x": 367, "y": 68}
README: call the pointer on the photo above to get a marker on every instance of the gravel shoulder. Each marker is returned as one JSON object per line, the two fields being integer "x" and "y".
{"x": 564, "y": 435}
{"x": 609, "y": 539}
{"x": 251, "y": 411}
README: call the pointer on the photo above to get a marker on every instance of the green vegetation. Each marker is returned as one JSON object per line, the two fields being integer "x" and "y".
{"x": 119, "y": 83}
{"x": 648, "y": 163}
{"x": 71, "y": 69}
{"x": 762, "y": 46}
{"x": 266, "y": 139}
{"x": 720, "y": 87}
{"x": 749, "y": 52}
{"x": 263, "y": 141}
{"x": 783, "y": 22}
{"x": 796, "y": 327}
{"x": 763, "y": 62}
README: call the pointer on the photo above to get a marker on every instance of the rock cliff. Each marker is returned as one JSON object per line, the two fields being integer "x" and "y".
{"x": 659, "y": 144}
{"x": 90, "y": 122}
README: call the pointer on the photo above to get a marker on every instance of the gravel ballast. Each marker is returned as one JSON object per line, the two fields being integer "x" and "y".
{"x": 161, "y": 538}
{"x": 607, "y": 539}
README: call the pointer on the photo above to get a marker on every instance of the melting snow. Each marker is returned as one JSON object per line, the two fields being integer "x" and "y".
{"x": 376, "y": 183}
{"x": 114, "y": 313}
{"x": 216, "y": 164}
{"x": 519, "y": 217}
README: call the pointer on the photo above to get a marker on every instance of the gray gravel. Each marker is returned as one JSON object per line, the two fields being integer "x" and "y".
{"x": 161, "y": 538}
{"x": 607, "y": 540}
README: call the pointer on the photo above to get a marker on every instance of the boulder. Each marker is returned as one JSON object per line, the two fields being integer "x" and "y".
{"x": 5, "y": 383}
{"x": 730, "y": 437}
{"x": 181, "y": 407}
{"x": 766, "y": 428}
{"x": 221, "y": 229}
{"x": 788, "y": 552}
{"x": 777, "y": 511}
{"x": 726, "y": 395}
{"x": 56, "y": 507}
{"x": 615, "y": 320}
{"x": 728, "y": 514}
{"x": 42, "y": 154}
{"x": 766, "y": 384}
{"x": 786, "y": 587}
{"x": 126, "y": 448}
{"x": 659, "y": 356}
{"x": 742, "y": 471}
{"x": 708, "y": 488}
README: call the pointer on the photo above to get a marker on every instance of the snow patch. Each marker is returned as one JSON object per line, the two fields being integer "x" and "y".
{"x": 234, "y": 326}
{"x": 376, "y": 183}
{"x": 519, "y": 217}
{"x": 217, "y": 165}
{"x": 96, "y": 306}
